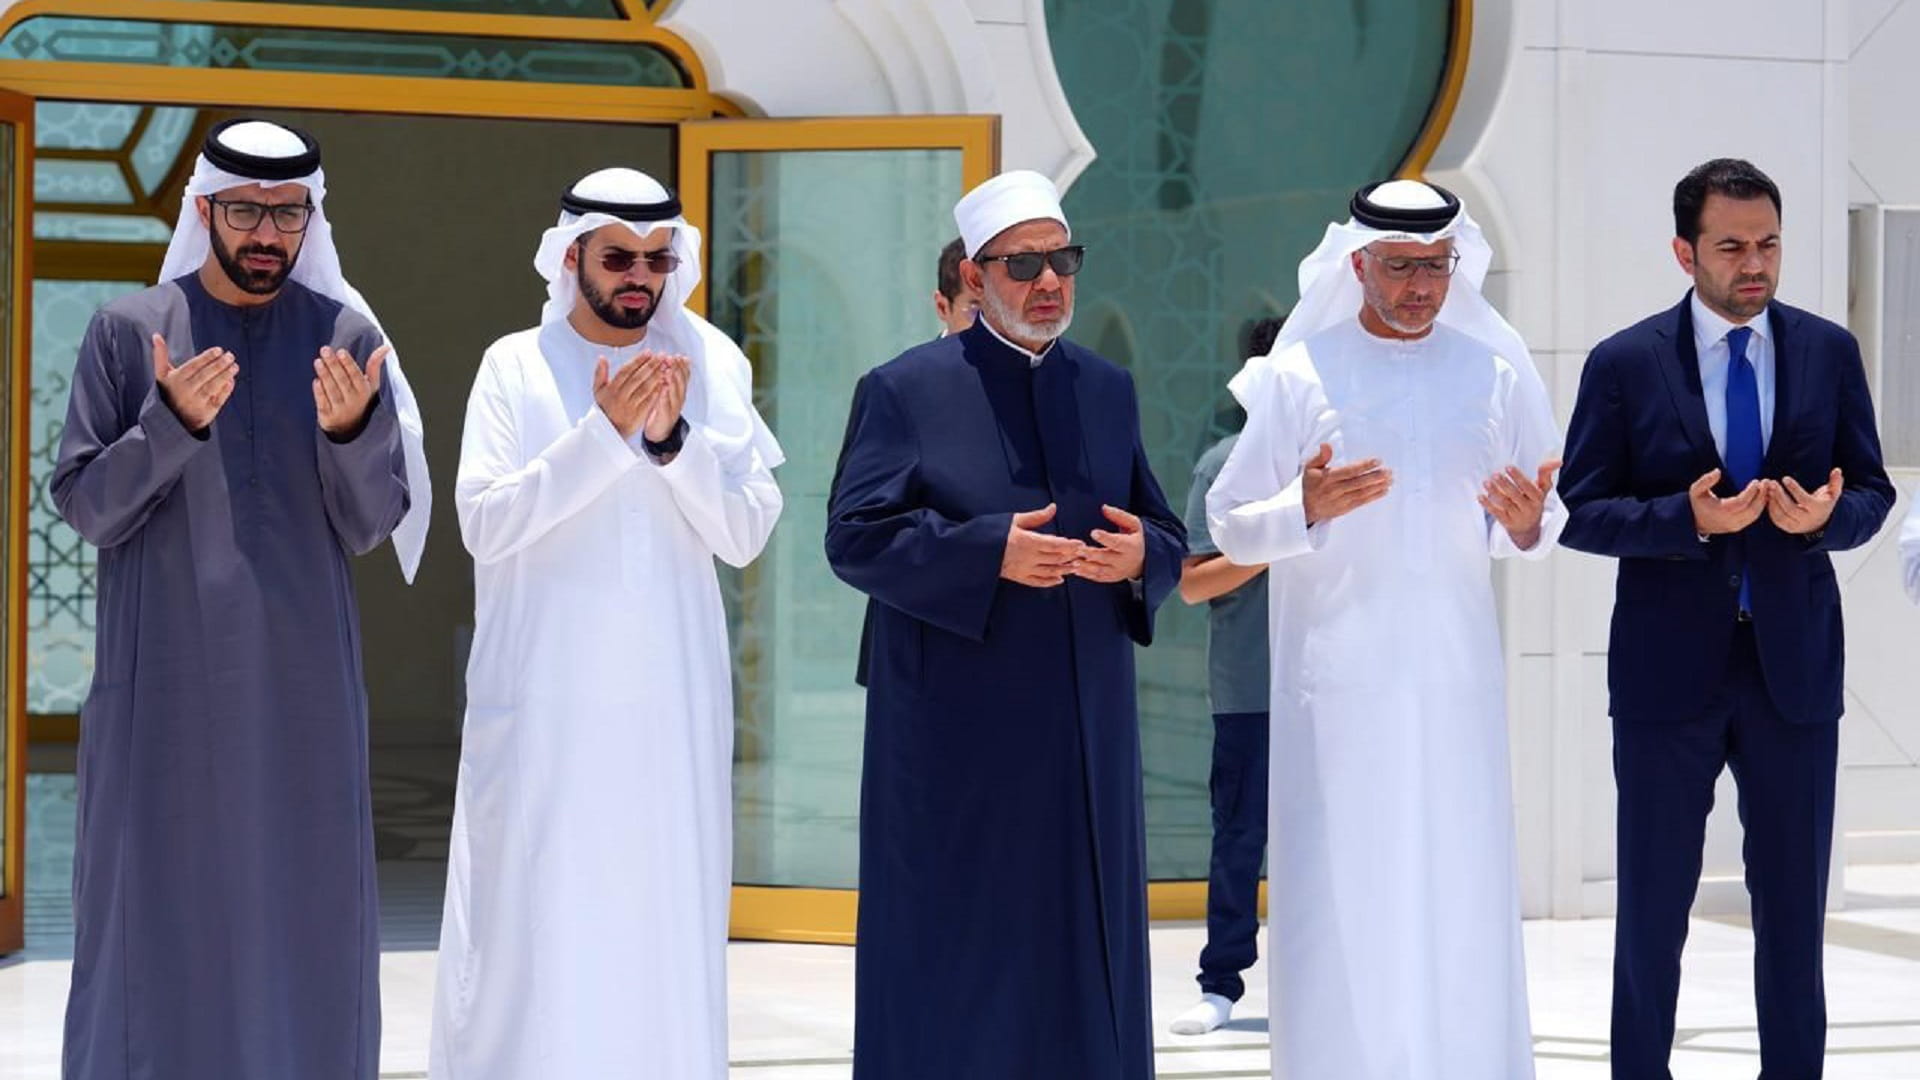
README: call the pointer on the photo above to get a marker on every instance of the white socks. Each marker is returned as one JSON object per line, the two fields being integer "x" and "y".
{"x": 1212, "y": 1011}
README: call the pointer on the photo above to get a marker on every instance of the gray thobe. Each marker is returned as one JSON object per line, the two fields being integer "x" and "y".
{"x": 225, "y": 908}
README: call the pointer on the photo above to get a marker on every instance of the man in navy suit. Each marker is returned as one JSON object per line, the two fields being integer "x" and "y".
{"x": 1720, "y": 450}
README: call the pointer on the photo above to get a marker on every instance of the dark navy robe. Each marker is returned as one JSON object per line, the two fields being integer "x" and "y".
{"x": 1003, "y": 900}
{"x": 225, "y": 909}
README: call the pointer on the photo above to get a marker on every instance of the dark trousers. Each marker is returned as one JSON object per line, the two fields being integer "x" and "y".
{"x": 1665, "y": 774}
{"x": 1238, "y": 789}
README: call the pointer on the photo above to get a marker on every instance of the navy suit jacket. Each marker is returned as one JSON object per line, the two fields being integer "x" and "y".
{"x": 1639, "y": 437}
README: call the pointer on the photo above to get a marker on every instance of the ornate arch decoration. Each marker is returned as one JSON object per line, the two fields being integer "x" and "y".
{"x": 578, "y": 59}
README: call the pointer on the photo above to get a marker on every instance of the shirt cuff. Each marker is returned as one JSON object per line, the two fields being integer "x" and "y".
{"x": 602, "y": 433}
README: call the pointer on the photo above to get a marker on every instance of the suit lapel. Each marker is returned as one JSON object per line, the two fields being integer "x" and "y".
{"x": 1680, "y": 364}
{"x": 1789, "y": 366}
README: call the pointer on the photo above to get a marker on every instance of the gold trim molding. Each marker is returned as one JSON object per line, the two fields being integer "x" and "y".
{"x": 1453, "y": 80}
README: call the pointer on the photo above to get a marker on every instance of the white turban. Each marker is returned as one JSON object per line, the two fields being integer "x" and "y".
{"x": 1003, "y": 202}
{"x": 1404, "y": 211}
{"x": 268, "y": 154}
{"x": 720, "y": 391}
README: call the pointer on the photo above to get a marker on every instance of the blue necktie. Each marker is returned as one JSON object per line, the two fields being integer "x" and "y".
{"x": 1745, "y": 447}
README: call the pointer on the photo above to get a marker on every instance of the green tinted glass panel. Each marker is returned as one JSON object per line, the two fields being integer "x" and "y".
{"x": 93, "y": 182}
{"x": 261, "y": 48}
{"x": 102, "y": 164}
{"x": 822, "y": 264}
{"x": 60, "y": 565}
{"x": 100, "y": 228}
{"x": 74, "y": 125}
{"x": 160, "y": 147}
{"x": 587, "y": 9}
{"x": 1229, "y": 133}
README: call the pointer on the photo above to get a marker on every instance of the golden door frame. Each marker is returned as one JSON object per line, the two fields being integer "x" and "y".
{"x": 16, "y": 115}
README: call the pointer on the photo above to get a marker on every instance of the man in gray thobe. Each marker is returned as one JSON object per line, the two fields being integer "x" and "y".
{"x": 234, "y": 434}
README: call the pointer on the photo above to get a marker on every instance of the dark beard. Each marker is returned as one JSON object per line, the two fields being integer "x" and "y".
{"x": 611, "y": 313}
{"x": 252, "y": 282}
{"x": 1735, "y": 304}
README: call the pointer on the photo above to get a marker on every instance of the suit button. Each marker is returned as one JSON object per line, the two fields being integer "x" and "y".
{"x": 1733, "y": 581}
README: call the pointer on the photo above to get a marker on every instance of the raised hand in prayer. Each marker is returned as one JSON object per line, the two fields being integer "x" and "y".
{"x": 1036, "y": 558}
{"x": 623, "y": 396}
{"x": 1518, "y": 503}
{"x": 1713, "y": 515}
{"x": 667, "y": 395}
{"x": 1796, "y": 510}
{"x": 1115, "y": 556}
{"x": 342, "y": 393}
{"x": 1330, "y": 492}
{"x": 197, "y": 389}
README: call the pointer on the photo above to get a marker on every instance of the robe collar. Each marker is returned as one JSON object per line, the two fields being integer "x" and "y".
{"x": 585, "y": 344}
{"x": 191, "y": 284}
{"x": 1396, "y": 344}
{"x": 1033, "y": 358}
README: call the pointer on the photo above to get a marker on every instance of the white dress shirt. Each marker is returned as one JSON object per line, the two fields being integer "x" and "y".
{"x": 1710, "y": 341}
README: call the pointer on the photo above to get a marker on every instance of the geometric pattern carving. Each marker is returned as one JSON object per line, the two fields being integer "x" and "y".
{"x": 109, "y": 173}
{"x": 104, "y": 174}
{"x": 268, "y": 48}
{"x": 587, "y": 9}
{"x": 60, "y": 565}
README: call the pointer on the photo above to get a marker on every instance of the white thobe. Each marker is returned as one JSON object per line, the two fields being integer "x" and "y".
{"x": 591, "y": 855}
{"x": 1910, "y": 548}
{"x": 1394, "y": 917}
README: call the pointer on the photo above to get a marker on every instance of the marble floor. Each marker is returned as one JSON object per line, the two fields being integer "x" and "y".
{"x": 792, "y": 1016}
{"x": 792, "y": 1005}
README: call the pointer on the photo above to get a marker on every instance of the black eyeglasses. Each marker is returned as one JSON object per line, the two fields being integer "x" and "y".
{"x": 1395, "y": 268}
{"x": 1025, "y": 265}
{"x": 247, "y": 216}
{"x": 619, "y": 261}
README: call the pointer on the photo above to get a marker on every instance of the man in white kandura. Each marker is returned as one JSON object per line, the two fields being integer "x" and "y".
{"x": 1397, "y": 439}
{"x": 610, "y": 455}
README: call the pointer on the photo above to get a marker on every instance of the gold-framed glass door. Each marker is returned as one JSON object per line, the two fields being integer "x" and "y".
{"x": 16, "y": 200}
{"x": 822, "y": 238}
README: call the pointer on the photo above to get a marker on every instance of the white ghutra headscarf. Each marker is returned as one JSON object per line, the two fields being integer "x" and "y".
{"x": 242, "y": 152}
{"x": 720, "y": 389}
{"x": 1406, "y": 211}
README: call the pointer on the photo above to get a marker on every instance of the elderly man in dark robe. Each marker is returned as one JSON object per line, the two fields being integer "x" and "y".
{"x": 234, "y": 435}
{"x": 995, "y": 504}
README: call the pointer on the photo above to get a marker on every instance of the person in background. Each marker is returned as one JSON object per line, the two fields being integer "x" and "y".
{"x": 954, "y": 301}
{"x": 1237, "y": 674}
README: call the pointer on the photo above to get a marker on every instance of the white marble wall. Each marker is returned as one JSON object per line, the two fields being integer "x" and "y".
{"x": 1882, "y": 154}
{"x": 1882, "y": 749}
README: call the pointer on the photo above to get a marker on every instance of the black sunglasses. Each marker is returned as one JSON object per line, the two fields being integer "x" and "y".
{"x": 618, "y": 261}
{"x": 1025, "y": 265}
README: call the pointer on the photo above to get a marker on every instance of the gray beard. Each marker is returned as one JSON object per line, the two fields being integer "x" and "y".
{"x": 1012, "y": 325}
{"x": 1384, "y": 312}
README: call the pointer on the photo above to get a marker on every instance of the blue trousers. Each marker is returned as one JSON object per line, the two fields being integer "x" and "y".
{"x": 1665, "y": 774}
{"x": 1238, "y": 789}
